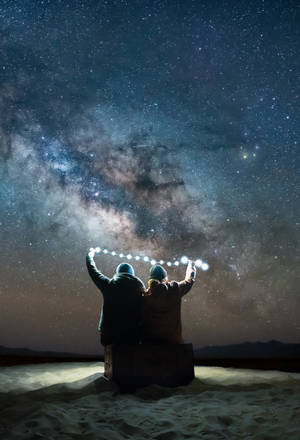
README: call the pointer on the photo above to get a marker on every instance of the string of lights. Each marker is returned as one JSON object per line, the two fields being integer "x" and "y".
{"x": 146, "y": 259}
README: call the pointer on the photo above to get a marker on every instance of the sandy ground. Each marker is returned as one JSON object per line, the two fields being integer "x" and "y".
{"x": 74, "y": 401}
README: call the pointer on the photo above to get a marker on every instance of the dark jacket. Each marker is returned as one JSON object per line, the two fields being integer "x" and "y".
{"x": 161, "y": 316}
{"x": 121, "y": 308}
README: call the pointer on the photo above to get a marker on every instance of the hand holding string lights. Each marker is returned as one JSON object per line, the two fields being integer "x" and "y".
{"x": 145, "y": 259}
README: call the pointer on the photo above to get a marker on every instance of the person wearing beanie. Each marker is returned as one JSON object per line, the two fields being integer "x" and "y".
{"x": 120, "y": 316}
{"x": 161, "y": 306}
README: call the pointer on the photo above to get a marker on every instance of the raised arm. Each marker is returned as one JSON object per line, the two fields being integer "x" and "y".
{"x": 190, "y": 275}
{"x": 99, "y": 279}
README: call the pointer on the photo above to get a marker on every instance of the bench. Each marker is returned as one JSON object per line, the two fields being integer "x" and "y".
{"x": 133, "y": 366}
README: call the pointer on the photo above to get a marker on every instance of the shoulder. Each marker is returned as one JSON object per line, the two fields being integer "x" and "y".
{"x": 138, "y": 281}
{"x": 174, "y": 288}
{"x": 155, "y": 286}
{"x": 132, "y": 280}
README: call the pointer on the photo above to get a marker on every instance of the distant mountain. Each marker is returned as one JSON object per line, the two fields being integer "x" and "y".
{"x": 250, "y": 350}
{"x": 246, "y": 350}
{"x": 26, "y": 352}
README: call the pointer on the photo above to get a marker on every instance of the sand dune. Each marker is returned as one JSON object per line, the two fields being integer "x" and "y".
{"x": 74, "y": 401}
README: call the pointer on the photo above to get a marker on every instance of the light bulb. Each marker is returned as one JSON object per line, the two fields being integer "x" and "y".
{"x": 184, "y": 260}
{"x": 153, "y": 262}
{"x": 204, "y": 266}
{"x": 137, "y": 258}
{"x": 198, "y": 263}
{"x": 97, "y": 249}
{"x": 146, "y": 258}
{"x": 129, "y": 256}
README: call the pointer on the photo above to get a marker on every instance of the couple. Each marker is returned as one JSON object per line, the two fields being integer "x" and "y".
{"x": 132, "y": 314}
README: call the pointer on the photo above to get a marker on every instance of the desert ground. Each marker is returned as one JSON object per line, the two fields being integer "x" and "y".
{"x": 74, "y": 401}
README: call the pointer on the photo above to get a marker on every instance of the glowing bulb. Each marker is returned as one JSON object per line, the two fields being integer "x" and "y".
{"x": 198, "y": 263}
{"x": 97, "y": 249}
{"x": 169, "y": 263}
{"x": 161, "y": 261}
{"x": 137, "y": 258}
{"x": 129, "y": 256}
{"x": 121, "y": 255}
{"x": 105, "y": 251}
{"x": 176, "y": 263}
{"x": 204, "y": 266}
{"x": 146, "y": 258}
{"x": 113, "y": 253}
{"x": 184, "y": 260}
{"x": 153, "y": 262}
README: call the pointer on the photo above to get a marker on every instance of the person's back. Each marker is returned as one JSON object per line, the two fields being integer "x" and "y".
{"x": 161, "y": 315}
{"x": 121, "y": 308}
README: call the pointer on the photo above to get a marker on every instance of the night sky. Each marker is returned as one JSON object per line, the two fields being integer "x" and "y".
{"x": 164, "y": 128}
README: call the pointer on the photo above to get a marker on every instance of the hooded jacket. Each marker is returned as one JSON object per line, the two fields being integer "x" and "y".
{"x": 161, "y": 316}
{"x": 121, "y": 307}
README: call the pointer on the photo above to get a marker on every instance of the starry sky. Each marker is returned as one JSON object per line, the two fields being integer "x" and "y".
{"x": 161, "y": 128}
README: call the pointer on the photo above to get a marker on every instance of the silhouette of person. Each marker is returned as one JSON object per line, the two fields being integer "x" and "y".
{"x": 161, "y": 308}
{"x": 120, "y": 317}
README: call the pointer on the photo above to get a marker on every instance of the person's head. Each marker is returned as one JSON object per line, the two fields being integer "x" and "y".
{"x": 157, "y": 272}
{"x": 125, "y": 268}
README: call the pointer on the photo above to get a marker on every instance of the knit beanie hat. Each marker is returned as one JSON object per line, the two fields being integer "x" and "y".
{"x": 158, "y": 272}
{"x": 125, "y": 268}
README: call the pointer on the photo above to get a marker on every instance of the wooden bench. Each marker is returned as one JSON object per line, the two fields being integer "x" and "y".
{"x": 133, "y": 366}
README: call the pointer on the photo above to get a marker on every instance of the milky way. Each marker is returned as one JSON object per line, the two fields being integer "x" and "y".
{"x": 157, "y": 127}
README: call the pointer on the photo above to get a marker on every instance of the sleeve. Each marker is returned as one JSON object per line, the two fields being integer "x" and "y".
{"x": 99, "y": 279}
{"x": 185, "y": 286}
